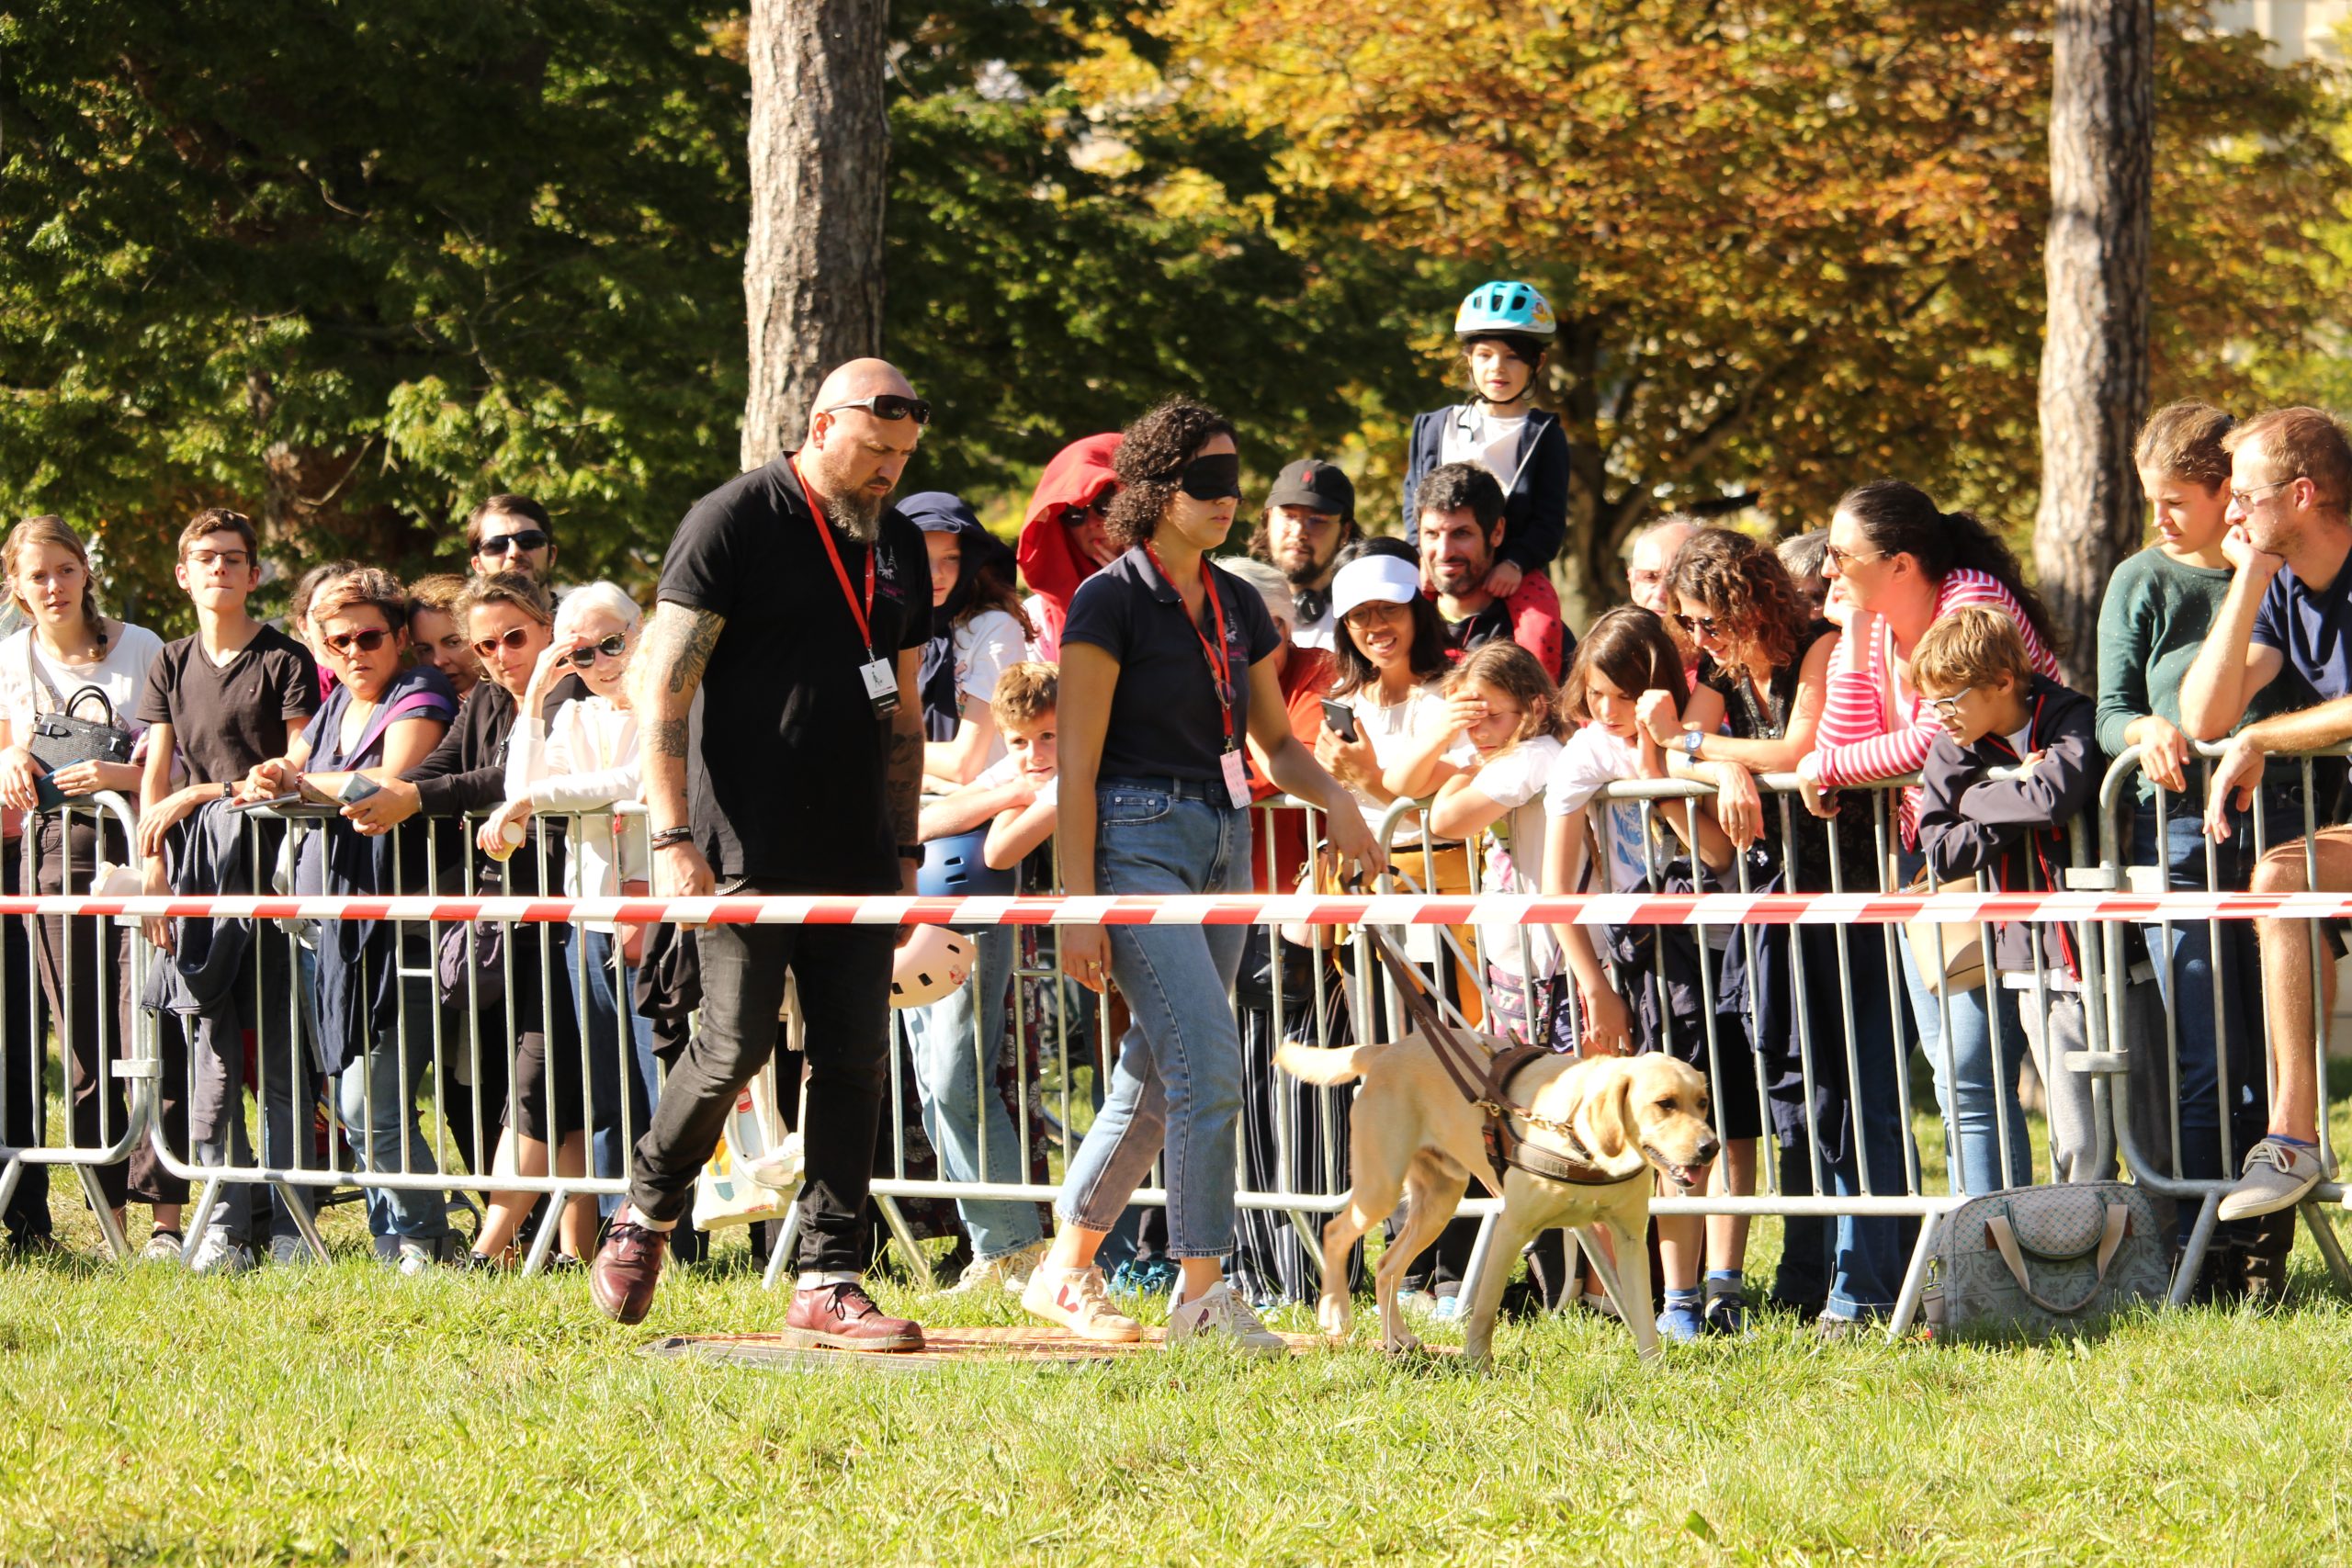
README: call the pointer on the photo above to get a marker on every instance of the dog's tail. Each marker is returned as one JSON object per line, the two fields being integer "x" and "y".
{"x": 1341, "y": 1064}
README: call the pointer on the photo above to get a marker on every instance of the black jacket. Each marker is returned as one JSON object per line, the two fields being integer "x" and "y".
{"x": 2017, "y": 830}
{"x": 1536, "y": 504}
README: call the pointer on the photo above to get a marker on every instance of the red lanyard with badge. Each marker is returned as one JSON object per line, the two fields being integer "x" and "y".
{"x": 881, "y": 681}
{"x": 1237, "y": 778}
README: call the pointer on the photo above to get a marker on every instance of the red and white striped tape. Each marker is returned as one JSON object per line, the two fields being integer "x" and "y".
{"x": 1241, "y": 908}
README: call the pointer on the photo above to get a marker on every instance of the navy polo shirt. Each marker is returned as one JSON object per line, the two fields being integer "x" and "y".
{"x": 2311, "y": 630}
{"x": 1164, "y": 721}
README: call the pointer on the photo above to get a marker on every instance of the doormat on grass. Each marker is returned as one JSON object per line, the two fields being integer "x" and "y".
{"x": 1036, "y": 1347}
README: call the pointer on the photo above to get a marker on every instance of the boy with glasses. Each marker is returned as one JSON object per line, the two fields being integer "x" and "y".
{"x": 224, "y": 701}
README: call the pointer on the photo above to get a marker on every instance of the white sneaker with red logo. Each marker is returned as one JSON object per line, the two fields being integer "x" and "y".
{"x": 1079, "y": 1301}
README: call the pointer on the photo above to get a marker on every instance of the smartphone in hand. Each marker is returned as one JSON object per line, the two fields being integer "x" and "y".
{"x": 1339, "y": 719}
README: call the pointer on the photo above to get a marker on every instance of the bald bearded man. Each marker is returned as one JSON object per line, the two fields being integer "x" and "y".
{"x": 795, "y": 599}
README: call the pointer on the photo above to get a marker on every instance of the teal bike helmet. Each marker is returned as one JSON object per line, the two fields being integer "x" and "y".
{"x": 1505, "y": 308}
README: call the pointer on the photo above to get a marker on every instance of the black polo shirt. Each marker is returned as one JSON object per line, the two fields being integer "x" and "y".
{"x": 1477, "y": 629}
{"x": 1164, "y": 721}
{"x": 785, "y": 772}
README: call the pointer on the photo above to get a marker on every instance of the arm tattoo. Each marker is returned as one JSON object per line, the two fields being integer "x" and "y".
{"x": 677, "y": 648}
{"x": 667, "y": 737}
{"x": 902, "y": 783}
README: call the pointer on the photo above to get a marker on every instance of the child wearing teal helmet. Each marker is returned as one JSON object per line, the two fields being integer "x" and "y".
{"x": 1506, "y": 329}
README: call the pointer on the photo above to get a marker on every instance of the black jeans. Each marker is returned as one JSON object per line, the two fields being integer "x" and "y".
{"x": 845, "y": 983}
{"x": 24, "y": 1060}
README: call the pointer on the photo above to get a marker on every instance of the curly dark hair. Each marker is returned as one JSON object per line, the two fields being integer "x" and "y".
{"x": 1152, "y": 455}
{"x": 1745, "y": 586}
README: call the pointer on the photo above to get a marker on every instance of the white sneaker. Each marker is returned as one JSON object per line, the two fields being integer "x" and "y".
{"x": 163, "y": 1247}
{"x": 1219, "y": 1313}
{"x": 2278, "y": 1175}
{"x": 1079, "y": 1301}
{"x": 216, "y": 1253}
{"x": 1007, "y": 1271}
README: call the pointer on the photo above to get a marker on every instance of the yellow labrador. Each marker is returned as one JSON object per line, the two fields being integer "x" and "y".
{"x": 1413, "y": 1136}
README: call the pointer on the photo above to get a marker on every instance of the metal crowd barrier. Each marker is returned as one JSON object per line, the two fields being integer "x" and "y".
{"x": 105, "y": 1053}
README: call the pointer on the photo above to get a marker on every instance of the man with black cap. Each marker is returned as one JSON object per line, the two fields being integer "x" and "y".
{"x": 1310, "y": 518}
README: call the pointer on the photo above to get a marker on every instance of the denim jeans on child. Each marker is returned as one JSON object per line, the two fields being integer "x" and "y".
{"x": 1978, "y": 1094}
{"x": 954, "y": 1044}
{"x": 1177, "y": 1084}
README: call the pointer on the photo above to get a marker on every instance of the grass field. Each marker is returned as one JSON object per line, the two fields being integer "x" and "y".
{"x": 340, "y": 1413}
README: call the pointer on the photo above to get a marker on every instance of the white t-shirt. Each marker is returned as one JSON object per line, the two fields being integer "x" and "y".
{"x": 1322, "y": 632}
{"x": 121, "y": 675}
{"x": 1479, "y": 438}
{"x": 1514, "y": 846}
{"x": 1592, "y": 759}
{"x": 984, "y": 647}
{"x": 1389, "y": 727}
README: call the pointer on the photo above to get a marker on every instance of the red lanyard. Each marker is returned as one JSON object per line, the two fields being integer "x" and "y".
{"x": 1220, "y": 667}
{"x": 841, "y": 574}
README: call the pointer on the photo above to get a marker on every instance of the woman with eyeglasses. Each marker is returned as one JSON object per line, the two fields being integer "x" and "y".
{"x": 585, "y": 759}
{"x": 1766, "y": 653}
{"x": 83, "y": 964}
{"x": 1901, "y": 564}
{"x": 381, "y": 716}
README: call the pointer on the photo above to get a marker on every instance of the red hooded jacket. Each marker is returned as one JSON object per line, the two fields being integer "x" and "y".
{"x": 1050, "y": 564}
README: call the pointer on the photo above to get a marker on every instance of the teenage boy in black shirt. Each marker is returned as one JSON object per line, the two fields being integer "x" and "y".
{"x": 225, "y": 701}
{"x": 798, "y": 602}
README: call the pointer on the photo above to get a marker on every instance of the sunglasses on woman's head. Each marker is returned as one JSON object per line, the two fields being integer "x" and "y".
{"x": 887, "y": 405}
{"x": 526, "y": 539}
{"x": 346, "y": 643}
{"x": 612, "y": 647}
{"x": 512, "y": 637}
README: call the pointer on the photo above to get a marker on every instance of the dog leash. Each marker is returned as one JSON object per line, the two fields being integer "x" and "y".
{"x": 1485, "y": 1082}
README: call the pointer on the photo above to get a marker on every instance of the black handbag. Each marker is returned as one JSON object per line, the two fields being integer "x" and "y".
{"x": 60, "y": 741}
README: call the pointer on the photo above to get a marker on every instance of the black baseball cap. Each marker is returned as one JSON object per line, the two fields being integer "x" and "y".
{"x": 1317, "y": 485}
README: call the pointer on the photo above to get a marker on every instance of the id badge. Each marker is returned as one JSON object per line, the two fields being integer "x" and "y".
{"x": 881, "y": 686}
{"x": 1236, "y": 781}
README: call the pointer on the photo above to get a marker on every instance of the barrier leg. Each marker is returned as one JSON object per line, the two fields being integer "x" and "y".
{"x": 1310, "y": 1242}
{"x": 909, "y": 1249}
{"x": 9, "y": 1175}
{"x": 780, "y": 1258}
{"x": 1588, "y": 1241}
{"x": 2330, "y": 1247}
{"x": 1915, "y": 1281}
{"x": 110, "y": 1227}
{"x": 207, "y": 1200}
{"x": 1468, "y": 1290}
{"x": 544, "y": 1240}
{"x": 2193, "y": 1256}
{"x": 306, "y": 1221}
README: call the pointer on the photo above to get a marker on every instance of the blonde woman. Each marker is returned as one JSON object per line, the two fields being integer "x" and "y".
{"x": 69, "y": 645}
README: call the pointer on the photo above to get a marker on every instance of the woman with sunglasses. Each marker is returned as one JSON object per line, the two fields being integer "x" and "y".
{"x": 1901, "y": 564}
{"x": 69, "y": 645}
{"x": 585, "y": 759}
{"x": 1168, "y": 664}
{"x": 381, "y": 716}
{"x": 1066, "y": 535}
{"x": 1766, "y": 653}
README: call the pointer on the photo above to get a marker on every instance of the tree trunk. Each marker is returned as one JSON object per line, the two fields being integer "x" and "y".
{"x": 2095, "y": 349}
{"x": 820, "y": 142}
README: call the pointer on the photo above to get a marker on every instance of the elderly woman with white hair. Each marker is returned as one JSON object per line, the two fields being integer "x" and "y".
{"x": 584, "y": 760}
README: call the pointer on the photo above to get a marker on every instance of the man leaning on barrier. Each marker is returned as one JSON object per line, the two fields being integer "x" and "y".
{"x": 796, "y": 602}
{"x": 2287, "y": 617}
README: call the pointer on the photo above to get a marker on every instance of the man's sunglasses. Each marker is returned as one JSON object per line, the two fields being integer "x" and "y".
{"x": 346, "y": 643}
{"x": 514, "y": 637}
{"x": 887, "y": 405}
{"x": 524, "y": 539}
{"x": 612, "y": 647}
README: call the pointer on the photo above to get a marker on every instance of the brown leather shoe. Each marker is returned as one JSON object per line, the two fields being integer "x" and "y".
{"x": 627, "y": 1268}
{"x": 844, "y": 1317}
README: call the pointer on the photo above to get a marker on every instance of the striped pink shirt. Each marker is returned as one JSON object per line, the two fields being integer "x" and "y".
{"x": 1870, "y": 731}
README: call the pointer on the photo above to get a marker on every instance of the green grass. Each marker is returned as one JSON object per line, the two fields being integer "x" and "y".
{"x": 341, "y": 1414}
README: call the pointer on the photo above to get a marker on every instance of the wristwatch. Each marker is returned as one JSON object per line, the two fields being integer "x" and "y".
{"x": 1691, "y": 740}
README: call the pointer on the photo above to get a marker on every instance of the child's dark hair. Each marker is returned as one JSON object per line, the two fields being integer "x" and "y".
{"x": 1629, "y": 647}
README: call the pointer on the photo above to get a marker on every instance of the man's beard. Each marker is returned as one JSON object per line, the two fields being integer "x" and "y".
{"x": 1456, "y": 579}
{"x": 858, "y": 517}
{"x": 1307, "y": 573}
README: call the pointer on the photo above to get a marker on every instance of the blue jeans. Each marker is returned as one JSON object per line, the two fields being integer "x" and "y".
{"x": 1978, "y": 1094}
{"x": 962, "y": 1112}
{"x": 1178, "y": 1080}
{"x": 376, "y": 1098}
{"x": 602, "y": 1007}
{"x": 1868, "y": 1253}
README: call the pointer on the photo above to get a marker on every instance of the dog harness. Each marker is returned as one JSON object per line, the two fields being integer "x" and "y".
{"x": 1484, "y": 1081}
